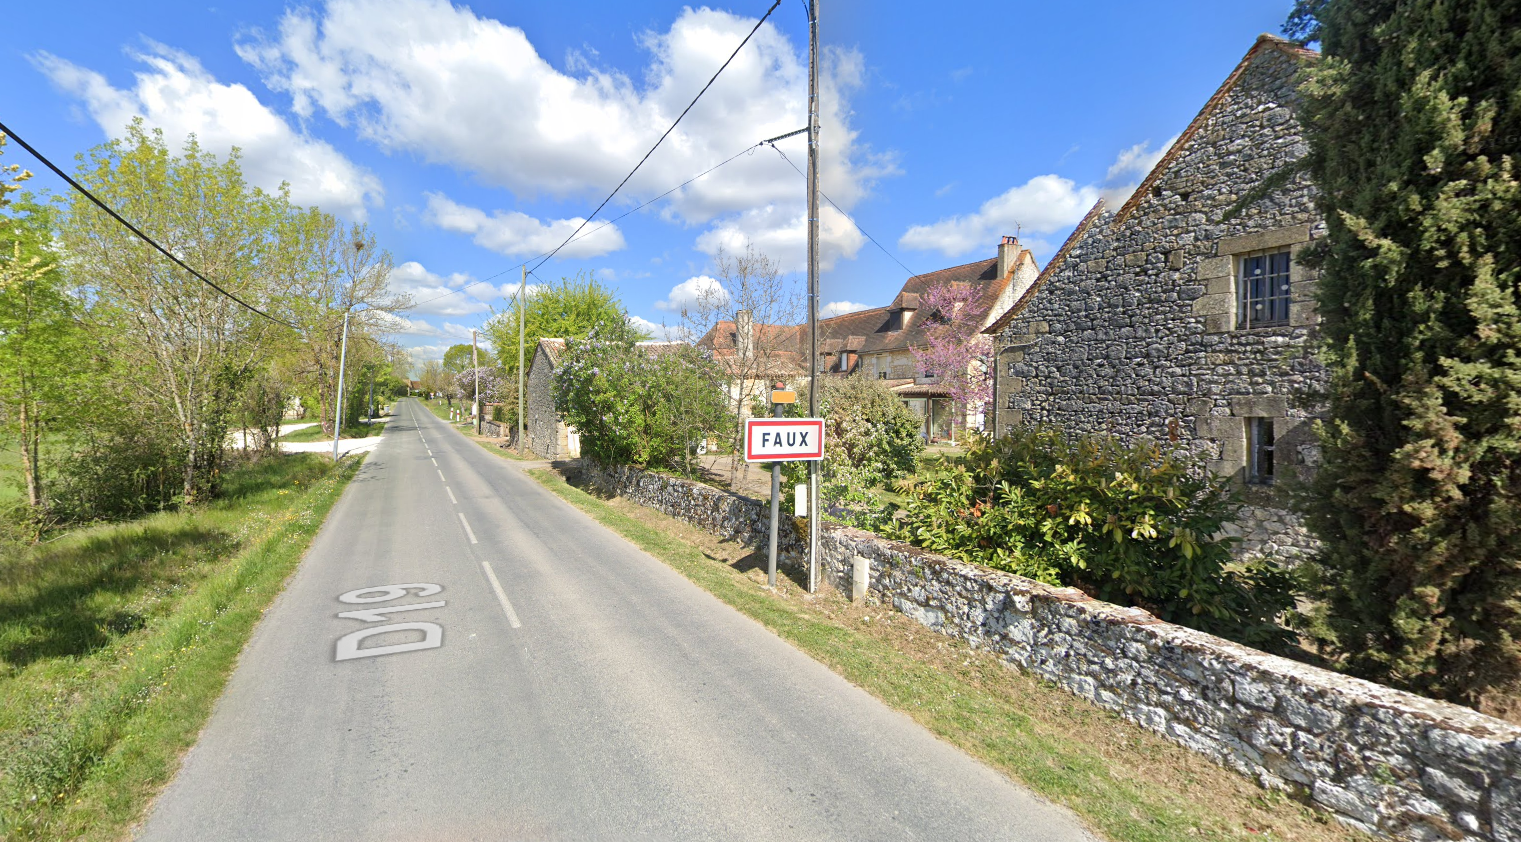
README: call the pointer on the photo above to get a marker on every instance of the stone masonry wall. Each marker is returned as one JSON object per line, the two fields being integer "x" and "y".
{"x": 1378, "y": 759}
{"x": 1136, "y": 332}
{"x": 542, "y": 422}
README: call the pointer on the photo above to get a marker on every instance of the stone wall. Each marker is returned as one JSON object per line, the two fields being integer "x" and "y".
{"x": 545, "y": 430}
{"x": 1378, "y": 759}
{"x": 1137, "y": 332}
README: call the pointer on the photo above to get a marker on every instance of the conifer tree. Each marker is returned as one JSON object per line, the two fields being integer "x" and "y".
{"x": 1414, "y": 122}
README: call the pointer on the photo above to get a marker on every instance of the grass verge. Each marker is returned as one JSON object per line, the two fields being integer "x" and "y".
{"x": 1127, "y": 783}
{"x": 116, "y": 640}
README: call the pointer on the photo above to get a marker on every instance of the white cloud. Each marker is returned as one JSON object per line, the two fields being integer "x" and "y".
{"x": 840, "y": 308}
{"x": 440, "y": 82}
{"x": 1045, "y": 204}
{"x": 780, "y": 232}
{"x": 403, "y": 326}
{"x": 176, "y": 94}
{"x": 1137, "y": 160}
{"x": 661, "y": 332}
{"x": 517, "y": 234}
{"x": 688, "y": 292}
{"x": 457, "y": 294}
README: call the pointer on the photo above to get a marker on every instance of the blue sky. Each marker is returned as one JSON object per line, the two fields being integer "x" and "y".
{"x": 473, "y": 137}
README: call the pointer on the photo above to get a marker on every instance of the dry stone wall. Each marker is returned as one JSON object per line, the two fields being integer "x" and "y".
{"x": 1379, "y": 759}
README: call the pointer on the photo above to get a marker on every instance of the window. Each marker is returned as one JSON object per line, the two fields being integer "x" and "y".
{"x": 1259, "y": 451}
{"x": 881, "y": 375}
{"x": 1263, "y": 290}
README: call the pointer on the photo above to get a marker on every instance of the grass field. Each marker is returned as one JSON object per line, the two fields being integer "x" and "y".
{"x": 116, "y": 640}
{"x": 315, "y": 433}
{"x": 1124, "y": 781}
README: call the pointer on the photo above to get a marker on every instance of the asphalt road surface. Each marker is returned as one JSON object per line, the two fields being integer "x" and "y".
{"x": 532, "y": 675}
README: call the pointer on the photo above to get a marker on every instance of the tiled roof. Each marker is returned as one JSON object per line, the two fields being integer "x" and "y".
{"x": 872, "y": 331}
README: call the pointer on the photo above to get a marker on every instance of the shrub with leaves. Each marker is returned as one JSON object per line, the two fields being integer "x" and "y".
{"x": 639, "y": 405}
{"x": 1126, "y": 524}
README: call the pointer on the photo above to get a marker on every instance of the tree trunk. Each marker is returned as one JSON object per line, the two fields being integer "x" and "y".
{"x": 29, "y": 436}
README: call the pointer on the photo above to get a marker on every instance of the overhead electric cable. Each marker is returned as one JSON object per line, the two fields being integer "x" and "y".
{"x": 911, "y": 273}
{"x": 574, "y": 237}
{"x": 133, "y": 228}
{"x": 667, "y": 134}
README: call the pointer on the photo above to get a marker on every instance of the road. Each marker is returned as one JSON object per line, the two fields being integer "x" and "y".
{"x": 557, "y": 683}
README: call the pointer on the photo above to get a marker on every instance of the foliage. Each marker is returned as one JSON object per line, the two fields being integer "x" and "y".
{"x": 42, "y": 348}
{"x": 1413, "y": 125}
{"x": 1130, "y": 525}
{"x": 569, "y": 309}
{"x": 491, "y": 382}
{"x": 870, "y": 439}
{"x": 463, "y": 357}
{"x": 958, "y": 355}
{"x": 645, "y": 405}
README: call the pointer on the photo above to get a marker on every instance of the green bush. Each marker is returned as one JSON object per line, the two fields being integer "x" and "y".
{"x": 639, "y": 405}
{"x": 870, "y": 439}
{"x": 1126, "y": 524}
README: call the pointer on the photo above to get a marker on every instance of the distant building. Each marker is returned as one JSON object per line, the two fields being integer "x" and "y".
{"x": 1186, "y": 316}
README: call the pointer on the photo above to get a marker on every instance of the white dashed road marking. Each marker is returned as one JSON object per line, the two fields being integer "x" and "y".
{"x": 501, "y": 596}
{"x": 451, "y": 495}
{"x": 468, "y": 531}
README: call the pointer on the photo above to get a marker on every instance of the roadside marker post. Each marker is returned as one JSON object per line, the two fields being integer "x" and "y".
{"x": 776, "y": 440}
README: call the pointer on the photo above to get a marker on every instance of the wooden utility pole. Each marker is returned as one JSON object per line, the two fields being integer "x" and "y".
{"x": 813, "y": 283}
{"x": 475, "y": 363}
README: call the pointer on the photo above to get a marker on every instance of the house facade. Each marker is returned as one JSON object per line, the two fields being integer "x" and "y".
{"x": 1185, "y": 315}
{"x": 880, "y": 342}
{"x": 546, "y": 435}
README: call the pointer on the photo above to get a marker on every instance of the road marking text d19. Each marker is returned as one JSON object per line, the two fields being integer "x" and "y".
{"x": 433, "y": 635}
{"x": 784, "y": 439}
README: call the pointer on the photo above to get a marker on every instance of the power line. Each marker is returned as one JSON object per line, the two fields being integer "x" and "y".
{"x": 612, "y": 221}
{"x": 911, "y": 273}
{"x": 133, "y": 228}
{"x": 668, "y": 131}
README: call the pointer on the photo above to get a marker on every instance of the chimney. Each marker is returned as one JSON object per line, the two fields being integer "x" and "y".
{"x": 1008, "y": 252}
{"x": 744, "y": 334}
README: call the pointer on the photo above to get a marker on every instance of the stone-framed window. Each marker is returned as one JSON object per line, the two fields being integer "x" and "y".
{"x": 1262, "y": 289}
{"x": 1259, "y": 450}
{"x": 1232, "y": 291}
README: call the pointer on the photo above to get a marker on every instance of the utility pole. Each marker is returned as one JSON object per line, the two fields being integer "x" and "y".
{"x": 813, "y": 283}
{"x": 522, "y": 291}
{"x": 343, "y": 355}
{"x": 475, "y": 404}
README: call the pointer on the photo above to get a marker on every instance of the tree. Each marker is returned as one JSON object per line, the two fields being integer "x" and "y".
{"x": 180, "y": 349}
{"x": 570, "y": 309}
{"x": 750, "y": 298}
{"x": 458, "y": 358}
{"x": 1413, "y": 125}
{"x": 958, "y": 353}
{"x": 41, "y": 352}
{"x": 327, "y": 270}
{"x": 432, "y": 376}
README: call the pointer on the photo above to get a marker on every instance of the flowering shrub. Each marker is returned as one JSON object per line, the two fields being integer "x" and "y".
{"x": 639, "y": 405}
{"x": 1130, "y": 525}
{"x": 491, "y": 384}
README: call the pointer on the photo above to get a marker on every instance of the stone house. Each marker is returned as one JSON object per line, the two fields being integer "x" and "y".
{"x": 1185, "y": 315}
{"x": 754, "y": 356}
{"x": 879, "y": 342}
{"x": 545, "y": 432}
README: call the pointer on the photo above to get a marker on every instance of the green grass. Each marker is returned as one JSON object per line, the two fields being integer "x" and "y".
{"x": 116, "y": 640}
{"x": 1128, "y": 783}
{"x": 315, "y": 433}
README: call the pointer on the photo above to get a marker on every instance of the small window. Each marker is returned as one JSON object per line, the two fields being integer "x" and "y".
{"x": 881, "y": 375}
{"x": 1259, "y": 451}
{"x": 1263, "y": 290}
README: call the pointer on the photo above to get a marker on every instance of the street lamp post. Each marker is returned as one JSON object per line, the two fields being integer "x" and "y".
{"x": 343, "y": 355}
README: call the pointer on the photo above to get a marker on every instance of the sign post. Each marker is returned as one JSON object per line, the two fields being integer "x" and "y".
{"x": 776, "y": 440}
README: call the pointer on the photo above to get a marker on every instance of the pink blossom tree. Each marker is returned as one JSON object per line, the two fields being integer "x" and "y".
{"x": 957, "y": 354}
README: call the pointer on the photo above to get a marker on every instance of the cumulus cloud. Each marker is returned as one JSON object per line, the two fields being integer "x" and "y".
{"x": 840, "y": 308}
{"x": 517, "y": 234}
{"x": 403, "y": 326}
{"x": 662, "y": 332}
{"x": 689, "y": 291}
{"x": 781, "y": 233}
{"x": 456, "y": 294}
{"x": 175, "y": 94}
{"x": 440, "y": 82}
{"x": 1045, "y": 205}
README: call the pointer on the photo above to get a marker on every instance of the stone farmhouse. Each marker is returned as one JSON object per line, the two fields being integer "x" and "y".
{"x": 1185, "y": 315}
{"x": 545, "y": 432}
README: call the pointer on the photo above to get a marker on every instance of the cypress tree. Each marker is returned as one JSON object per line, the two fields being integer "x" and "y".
{"x": 1414, "y": 122}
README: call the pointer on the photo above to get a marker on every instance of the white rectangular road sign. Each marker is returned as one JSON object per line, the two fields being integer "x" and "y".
{"x": 784, "y": 439}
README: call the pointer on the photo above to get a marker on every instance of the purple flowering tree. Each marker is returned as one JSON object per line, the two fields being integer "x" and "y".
{"x": 957, "y": 353}
{"x": 491, "y": 384}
